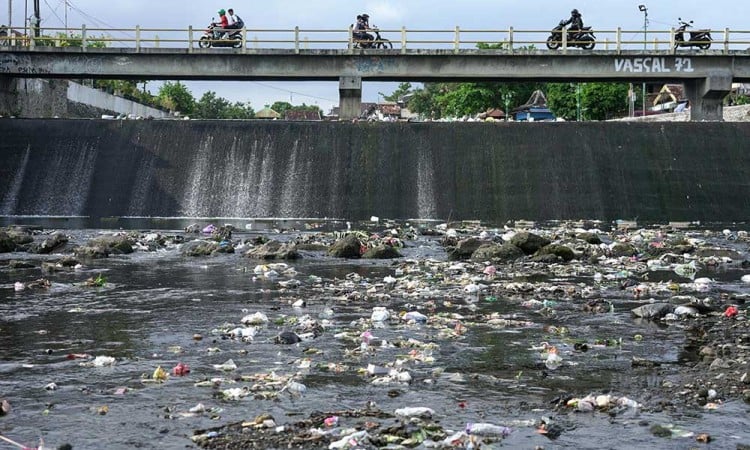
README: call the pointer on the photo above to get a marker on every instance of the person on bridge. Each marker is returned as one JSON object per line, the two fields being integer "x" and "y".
{"x": 222, "y": 23}
{"x": 235, "y": 21}
{"x": 360, "y": 29}
{"x": 575, "y": 21}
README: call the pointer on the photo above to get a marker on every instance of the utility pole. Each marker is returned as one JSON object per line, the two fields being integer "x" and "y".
{"x": 645, "y": 39}
{"x": 10, "y": 18}
{"x": 37, "y": 19}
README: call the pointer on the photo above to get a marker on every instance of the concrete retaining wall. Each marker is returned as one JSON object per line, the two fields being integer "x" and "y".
{"x": 493, "y": 172}
{"x": 34, "y": 97}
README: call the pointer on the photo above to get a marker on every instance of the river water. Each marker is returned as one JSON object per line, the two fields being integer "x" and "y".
{"x": 153, "y": 303}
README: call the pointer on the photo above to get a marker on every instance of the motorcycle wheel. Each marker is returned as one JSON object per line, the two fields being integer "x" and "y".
{"x": 552, "y": 43}
{"x": 204, "y": 42}
{"x": 384, "y": 43}
{"x": 237, "y": 42}
{"x": 705, "y": 46}
{"x": 589, "y": 45}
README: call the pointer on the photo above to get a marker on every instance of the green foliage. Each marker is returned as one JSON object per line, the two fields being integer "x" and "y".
{"x": 403, "y": 89}
{"x": 439, "y": 100}
{"x": 176, "y": 97}
{"x": 598, "y": 101}
{"x": 281, "y": 107}
{"x": 561, "y": 100}
{"x": 602, "y": 101}
{"x": 211, "y": 106}
{"x": 70, "y": 40}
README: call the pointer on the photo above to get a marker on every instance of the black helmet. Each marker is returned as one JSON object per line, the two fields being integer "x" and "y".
{"x": 359, "y": 17}
{"x": 365, "y": 16}
{"x": 575, "y": 12}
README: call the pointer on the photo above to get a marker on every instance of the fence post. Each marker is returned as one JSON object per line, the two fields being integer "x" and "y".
{"x": 564, "y": 40}
{"x": 83, "y": 37}
{"x": 403, "y": 40}
{"x": 190, "y": 39}
{"x": 244, "y": 39}
{"x": 671, "y": 40}
{"x": 457, "y": 40}
{"x": 618, "y": 37}
{"x": 350, "y": 44}
{"x": 137, "y": 38}
{"x": 726, "y": 40}
{"x": 156, "y": 41}
{"x": 510, "y": 39}
{"x": 296, "y": 39}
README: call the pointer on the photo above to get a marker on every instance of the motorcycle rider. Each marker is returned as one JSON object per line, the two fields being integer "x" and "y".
{"x": 360, "y": 30}
{"x": 222, "y": 23}
{"x": 575, "y": 22}
{"x": 235, "y": 21}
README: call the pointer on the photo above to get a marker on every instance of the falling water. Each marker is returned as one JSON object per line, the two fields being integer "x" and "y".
{"x": 65, "y": 190}
{"x": 10, "y": 201}
{"x": 425, "y": 185}
{"x": 198, "y": 188}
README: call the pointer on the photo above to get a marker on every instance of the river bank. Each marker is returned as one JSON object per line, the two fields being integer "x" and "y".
{"x": 470, "y": 324}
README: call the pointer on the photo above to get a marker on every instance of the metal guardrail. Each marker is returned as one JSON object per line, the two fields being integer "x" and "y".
{"x": 403, "y": 39}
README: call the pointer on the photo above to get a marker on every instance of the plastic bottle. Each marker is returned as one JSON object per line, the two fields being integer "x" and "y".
{"x": 487, "y": 429}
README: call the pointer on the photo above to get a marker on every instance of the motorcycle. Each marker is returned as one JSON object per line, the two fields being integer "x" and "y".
{"x": 583, "y": 38}
{"x": 229, "y": 38}
{"x": 699, "y": 38}
{"x": 378, "y": 42}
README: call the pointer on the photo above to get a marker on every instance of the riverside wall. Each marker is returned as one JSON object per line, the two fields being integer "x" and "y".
{"x": 487, "y": 171}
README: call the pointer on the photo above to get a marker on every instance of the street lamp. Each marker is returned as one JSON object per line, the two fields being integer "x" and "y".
{"x": 644, "y": 10}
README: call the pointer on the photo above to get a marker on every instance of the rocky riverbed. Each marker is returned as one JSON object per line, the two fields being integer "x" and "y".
{"x": 382, "y": 335}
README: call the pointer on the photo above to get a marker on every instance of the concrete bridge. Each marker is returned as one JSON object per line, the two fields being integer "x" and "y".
{"x": 707, "y": 75}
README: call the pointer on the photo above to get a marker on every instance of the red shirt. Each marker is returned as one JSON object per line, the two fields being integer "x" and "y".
{"x": 224, "y": 21}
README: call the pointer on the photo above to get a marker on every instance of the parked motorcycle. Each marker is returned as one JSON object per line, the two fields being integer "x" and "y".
{"x": 230, "y": 38}
{"x": 698, "y": 38}
{"x": 378, "y": 42}
{"x": 583, "y": 38}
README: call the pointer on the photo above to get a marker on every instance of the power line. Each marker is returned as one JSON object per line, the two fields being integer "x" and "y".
{"x": 54, "y": 12}
{"x": 292, "y": 92}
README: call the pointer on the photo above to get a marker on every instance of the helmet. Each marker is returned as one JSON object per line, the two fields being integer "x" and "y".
{"x": 365, "y": 16}
{"x": 575, "y": 13}
{"x": 222, "y": 12}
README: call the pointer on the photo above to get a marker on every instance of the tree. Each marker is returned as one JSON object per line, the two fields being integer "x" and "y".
{"x": 281, "y": 107}
{"x": 403, "y": 89}
{"x": 176, "y": 97}
{"x": 561, "y": 99}
{"x": 597, "y": 101}
{"x": 211, "y": 106}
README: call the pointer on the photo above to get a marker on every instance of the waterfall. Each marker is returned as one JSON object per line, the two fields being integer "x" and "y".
{"x": 10, "y": 201}
{"x": 65, "y": 189}
{"x": 425, "y": 185}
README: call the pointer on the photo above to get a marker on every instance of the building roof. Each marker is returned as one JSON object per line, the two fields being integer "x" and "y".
{"x": 670, "y": 93}
{"x": 390, "y": 109}
{"x": 537, "y": 100}
{"x": 302, "y": 115}
{"x": 495, "y": 113}
{"x": 267, "y": 113}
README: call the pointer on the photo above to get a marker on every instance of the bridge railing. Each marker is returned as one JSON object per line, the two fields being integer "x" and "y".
{"x": 400, "y": 40}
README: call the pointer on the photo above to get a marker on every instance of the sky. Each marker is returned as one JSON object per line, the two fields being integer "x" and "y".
{"x": 386, "y": 14}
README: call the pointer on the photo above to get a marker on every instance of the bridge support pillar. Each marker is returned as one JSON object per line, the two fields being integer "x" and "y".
{"x": 707, "y": 96}
{"x": 350, "y": 97}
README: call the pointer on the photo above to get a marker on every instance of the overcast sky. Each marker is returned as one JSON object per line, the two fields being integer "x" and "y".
{"x": 387, "y": 14}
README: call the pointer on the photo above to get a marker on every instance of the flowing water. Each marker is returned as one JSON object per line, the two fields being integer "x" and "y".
{"x": 154, "y": 302}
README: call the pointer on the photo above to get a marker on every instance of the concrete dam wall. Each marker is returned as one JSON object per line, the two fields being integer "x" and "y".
{"x": 487, "y": 171}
